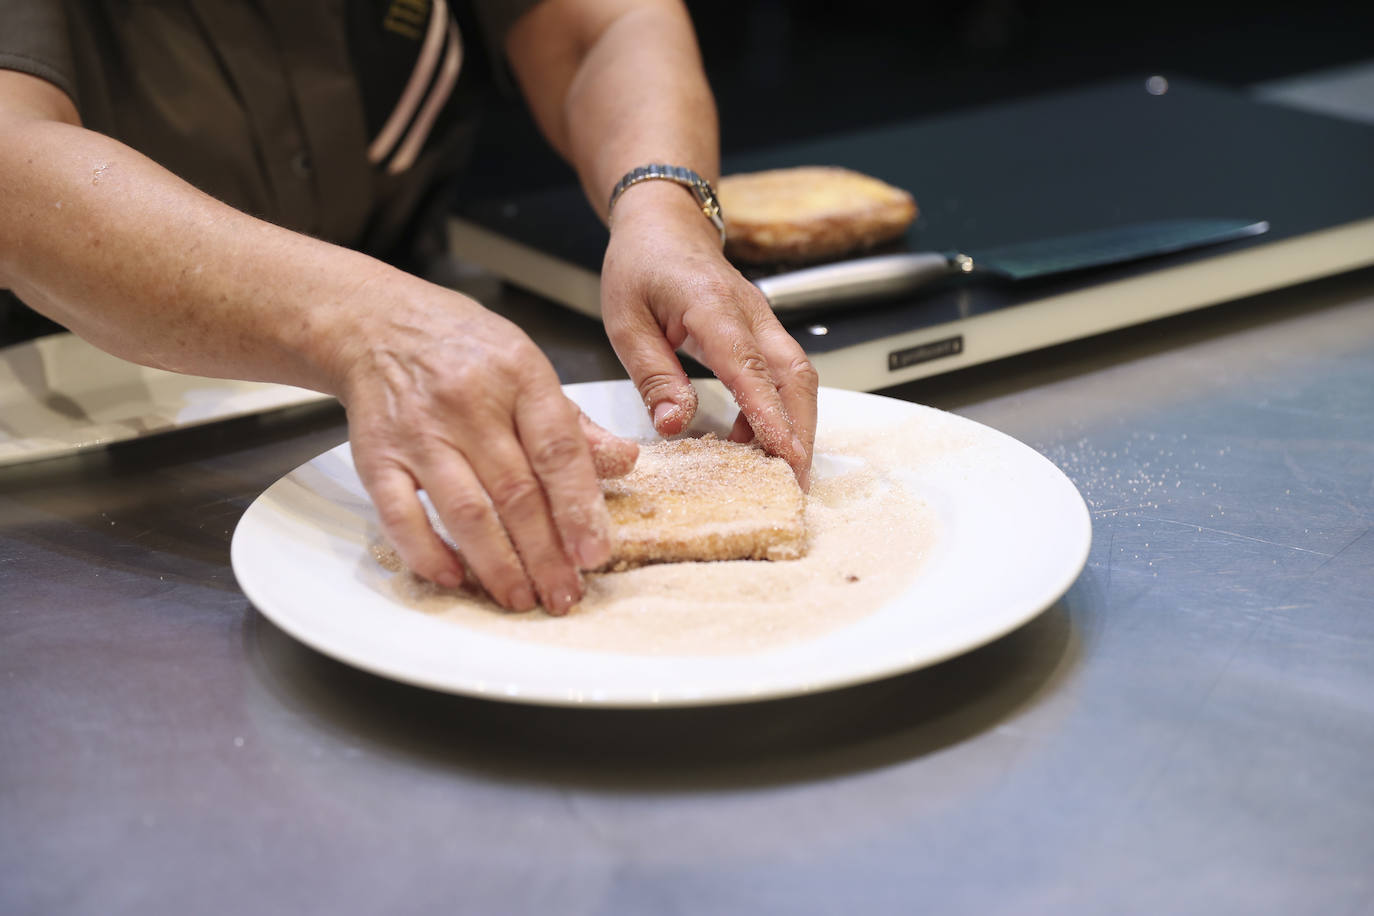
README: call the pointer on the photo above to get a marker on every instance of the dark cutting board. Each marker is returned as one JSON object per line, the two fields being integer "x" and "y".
{"x": 1064, "y": 163}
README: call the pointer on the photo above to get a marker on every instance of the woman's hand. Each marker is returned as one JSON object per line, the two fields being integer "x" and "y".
{"x": 441, "y": 394}
{"x": 445, "y": 396}
{"x": 665, "y": 284}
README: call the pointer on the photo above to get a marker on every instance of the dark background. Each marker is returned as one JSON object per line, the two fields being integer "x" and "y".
{"x": 785, "y": 71}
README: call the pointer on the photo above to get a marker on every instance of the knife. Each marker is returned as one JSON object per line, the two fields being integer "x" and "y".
{"x": 885, "y": 275}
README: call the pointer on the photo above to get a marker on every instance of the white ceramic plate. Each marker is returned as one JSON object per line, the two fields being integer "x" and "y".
{"x": 1014, "y": 534}
{"x": 60, "y": 395}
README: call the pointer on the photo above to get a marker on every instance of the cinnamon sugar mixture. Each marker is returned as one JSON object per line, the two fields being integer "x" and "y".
{"x": 867, "y": 536}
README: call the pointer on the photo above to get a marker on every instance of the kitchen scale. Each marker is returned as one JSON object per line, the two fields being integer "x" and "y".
{"x": 1116, "y": 161}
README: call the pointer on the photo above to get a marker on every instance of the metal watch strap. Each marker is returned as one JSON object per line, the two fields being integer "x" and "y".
{"x": 700, "y": 188}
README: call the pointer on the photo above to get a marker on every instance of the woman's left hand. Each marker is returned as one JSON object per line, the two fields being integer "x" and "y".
{"x": 665, "y": 285}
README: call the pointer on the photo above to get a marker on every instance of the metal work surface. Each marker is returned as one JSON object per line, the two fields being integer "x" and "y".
{"x": 1188, "y": 730}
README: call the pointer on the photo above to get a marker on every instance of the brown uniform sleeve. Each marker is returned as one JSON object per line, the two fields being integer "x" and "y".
{"x": 34, "y": 39}
{"x": 496, "y": 17}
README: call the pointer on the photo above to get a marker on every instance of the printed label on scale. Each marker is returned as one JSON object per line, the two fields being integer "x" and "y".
{"x": 924, "y": 353}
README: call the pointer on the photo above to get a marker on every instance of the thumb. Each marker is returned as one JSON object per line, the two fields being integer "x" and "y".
{"x": 612, "y": 456}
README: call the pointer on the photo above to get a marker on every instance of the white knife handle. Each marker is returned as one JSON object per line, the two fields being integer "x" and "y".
{"x": 861, "y": 278}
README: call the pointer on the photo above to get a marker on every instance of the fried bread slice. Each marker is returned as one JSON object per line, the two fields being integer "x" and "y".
{"x": 809, "y": 213}
{"x": 704, "y": 499}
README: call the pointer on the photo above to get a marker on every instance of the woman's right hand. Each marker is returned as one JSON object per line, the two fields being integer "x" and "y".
{"x": 442, "y": 395}
{"x": 445, "y": 396}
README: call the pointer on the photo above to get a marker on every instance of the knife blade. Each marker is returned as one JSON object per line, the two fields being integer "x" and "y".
{"x": 880, "y": 276}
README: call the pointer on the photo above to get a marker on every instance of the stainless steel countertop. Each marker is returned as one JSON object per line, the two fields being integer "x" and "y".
{"x": 1189, "y": 729}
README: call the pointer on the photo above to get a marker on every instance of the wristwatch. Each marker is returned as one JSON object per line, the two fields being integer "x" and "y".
{"x": 700, "y": 188}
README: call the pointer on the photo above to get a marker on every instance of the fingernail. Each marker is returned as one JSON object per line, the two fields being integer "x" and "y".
{"x": 662, "y": 411}
{"x": 449, "y": 579}
{"x": 559, "y": 603}
{"x": 798, "y": 447}
{"x": 522, "y": 599}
